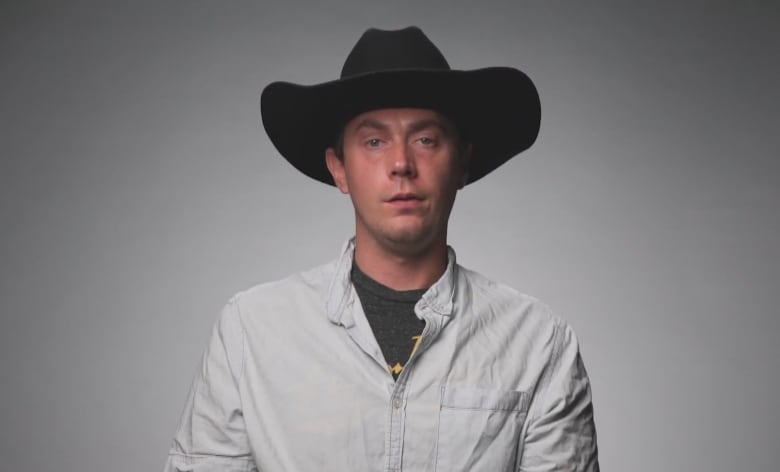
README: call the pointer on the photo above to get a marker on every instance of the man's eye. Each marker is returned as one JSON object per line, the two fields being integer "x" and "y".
{"x": 373, "y": 142}
{"x": 426, "y": 141}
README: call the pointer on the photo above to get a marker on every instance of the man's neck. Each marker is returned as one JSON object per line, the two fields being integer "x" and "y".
{"x": 401, "y": 271}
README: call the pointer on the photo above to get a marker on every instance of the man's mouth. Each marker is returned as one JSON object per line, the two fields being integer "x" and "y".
{"x": 405, "y": 197}
{"x": 405, "y": 201}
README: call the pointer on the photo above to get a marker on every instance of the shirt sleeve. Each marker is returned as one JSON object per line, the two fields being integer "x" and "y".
{"x": 211, "y": 436}
{"x": 561, "y": 435}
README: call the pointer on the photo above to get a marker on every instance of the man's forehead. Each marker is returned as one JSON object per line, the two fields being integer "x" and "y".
{"x": 385, "y": 118}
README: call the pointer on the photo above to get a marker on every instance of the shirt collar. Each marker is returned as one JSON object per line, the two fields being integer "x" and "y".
{"x": 439, "y": 297}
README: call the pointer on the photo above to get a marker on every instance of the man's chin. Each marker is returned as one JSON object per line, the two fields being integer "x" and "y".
{"x": 410, "y": 241}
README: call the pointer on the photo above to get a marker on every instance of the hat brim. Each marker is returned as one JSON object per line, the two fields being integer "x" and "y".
{"x": 497, "y": 108}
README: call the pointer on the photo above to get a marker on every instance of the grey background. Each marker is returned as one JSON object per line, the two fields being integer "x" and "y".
{"x": 138, "y": 192}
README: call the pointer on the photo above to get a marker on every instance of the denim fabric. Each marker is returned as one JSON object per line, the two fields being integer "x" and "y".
{"x": 293, "y": 380}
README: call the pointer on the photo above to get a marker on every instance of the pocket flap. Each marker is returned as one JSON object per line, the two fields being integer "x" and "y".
{"x": 469, "y": 398}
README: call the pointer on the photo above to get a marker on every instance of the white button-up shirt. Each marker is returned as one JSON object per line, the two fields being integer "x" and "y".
{"x": 293, "y": 380}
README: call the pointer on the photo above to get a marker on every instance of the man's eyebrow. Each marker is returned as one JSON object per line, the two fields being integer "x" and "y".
{"x": 430, "y": 123}
{"x": 371, "y": 124}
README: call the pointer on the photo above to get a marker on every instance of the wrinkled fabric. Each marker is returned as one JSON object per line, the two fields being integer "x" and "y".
{"x": 293, "y": 380}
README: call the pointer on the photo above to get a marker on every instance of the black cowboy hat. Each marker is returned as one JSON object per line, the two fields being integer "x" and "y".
{"x": 496, "y": 109}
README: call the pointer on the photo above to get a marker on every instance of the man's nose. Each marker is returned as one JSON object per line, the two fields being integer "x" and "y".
{"x": 403, "y": 162}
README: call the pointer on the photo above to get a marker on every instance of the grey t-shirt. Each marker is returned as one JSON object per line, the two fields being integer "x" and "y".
{"x": 390, "y": 314}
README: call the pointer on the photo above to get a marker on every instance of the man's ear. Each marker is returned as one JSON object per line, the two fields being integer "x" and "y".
{"x": 336, "y": 168}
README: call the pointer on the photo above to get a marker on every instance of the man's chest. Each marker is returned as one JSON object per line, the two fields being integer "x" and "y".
{"x": 460, "y": 404}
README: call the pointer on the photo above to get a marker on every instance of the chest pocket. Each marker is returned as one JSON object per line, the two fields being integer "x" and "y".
{"x": 479, "y": 429}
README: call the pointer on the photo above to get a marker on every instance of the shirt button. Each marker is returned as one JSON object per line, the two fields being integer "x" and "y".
{"x": 397, "y": 402}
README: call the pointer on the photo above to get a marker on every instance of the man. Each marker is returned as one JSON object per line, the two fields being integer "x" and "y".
{"x": 393, "y": 357}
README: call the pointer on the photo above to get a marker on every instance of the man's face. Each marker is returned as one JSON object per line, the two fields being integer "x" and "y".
{"x": 402, "y": 168}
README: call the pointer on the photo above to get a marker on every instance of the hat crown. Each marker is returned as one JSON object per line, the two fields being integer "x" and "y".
{"x": 383, "y": 50}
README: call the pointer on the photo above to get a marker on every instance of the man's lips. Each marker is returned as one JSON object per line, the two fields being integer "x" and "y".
{"x": 405, "y": 197}
{"x": 405, "y": 200}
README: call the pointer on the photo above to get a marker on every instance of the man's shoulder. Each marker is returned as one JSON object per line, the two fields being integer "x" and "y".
{"x": 482, "y": 285}
{"x": 313, "y": 282}
{"x": 487, "y": 294}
